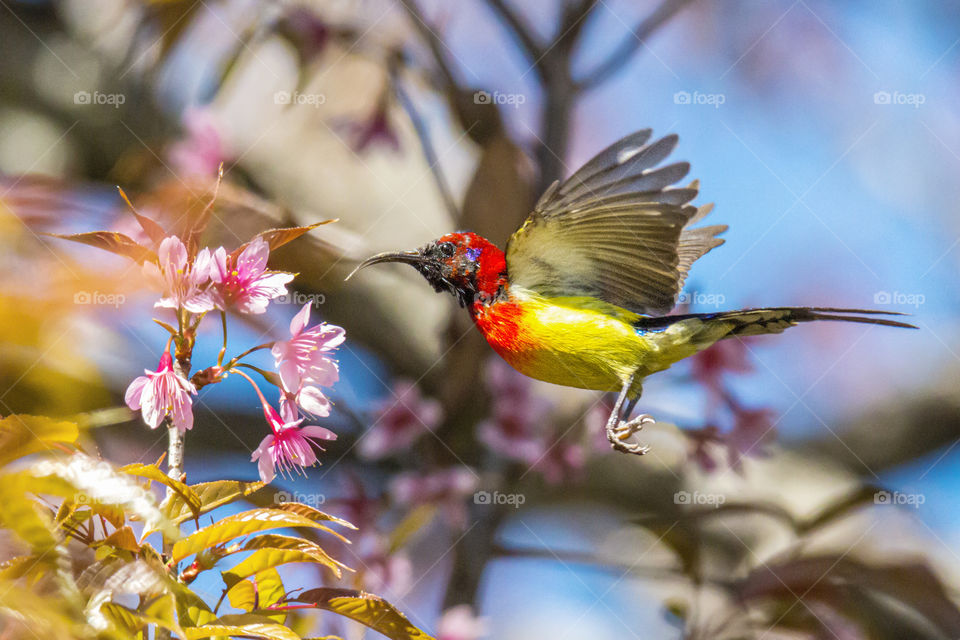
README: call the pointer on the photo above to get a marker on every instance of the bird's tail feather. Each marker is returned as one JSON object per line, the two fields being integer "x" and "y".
{"x": 750, "y": 322}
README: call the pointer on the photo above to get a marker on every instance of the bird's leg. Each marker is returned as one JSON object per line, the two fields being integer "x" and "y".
{"x": 619, "y": 430}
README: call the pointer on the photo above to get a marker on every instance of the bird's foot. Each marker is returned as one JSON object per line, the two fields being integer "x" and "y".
{"x": 625, "y": 429}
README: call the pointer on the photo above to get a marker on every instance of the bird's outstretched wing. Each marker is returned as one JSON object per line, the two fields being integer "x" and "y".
{"x": 616, "y": 230}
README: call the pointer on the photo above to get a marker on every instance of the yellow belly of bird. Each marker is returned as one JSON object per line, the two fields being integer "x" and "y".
{"x": 583, "y": 342}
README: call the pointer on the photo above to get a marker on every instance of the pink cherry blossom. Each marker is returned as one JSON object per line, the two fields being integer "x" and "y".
{"x": 201, "y": 151}
{"x": 162, "y": 393}
{"x": 310, "y": 399}
{"x": 243, "y": 282}
{"x": 184, "y": 284}
{"x": 400, "y": 420}
{"x": 446, "y": 488}
{"x": 289, "y": 446}
{"x": 460, "y": 623}
{"x": 305, "y": 356}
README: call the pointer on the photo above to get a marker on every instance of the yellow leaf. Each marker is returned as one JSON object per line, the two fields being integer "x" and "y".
{"x": 238, "y": 525}
{"x": 211, "y": 494}
{"x": 368, "y": 609}
{"x": 244, "y": 624}
{"x": 151, "y": 471}
{"x": 22, "y": 435}
{"x": 270, "y": 558}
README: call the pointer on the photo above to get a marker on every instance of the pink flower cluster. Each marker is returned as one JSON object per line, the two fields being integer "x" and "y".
{"x": 240, "y": 282}
{"x": 216, "y": 280}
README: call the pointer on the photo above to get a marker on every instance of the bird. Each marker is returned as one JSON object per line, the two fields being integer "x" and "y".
{"x": 581, "y": 294}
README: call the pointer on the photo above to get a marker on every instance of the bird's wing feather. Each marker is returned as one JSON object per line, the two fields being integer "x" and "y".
{"x": 616, "y": 230}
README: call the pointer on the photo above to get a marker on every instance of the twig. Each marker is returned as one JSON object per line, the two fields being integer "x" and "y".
{"x": 426, "y": 144}
{"x": 622, "y": 54}
{"x": 521, "y": 30}
{"x": 434, "y": 42}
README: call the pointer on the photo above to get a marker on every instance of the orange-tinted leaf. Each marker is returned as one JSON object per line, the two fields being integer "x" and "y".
{"x": 113, "y": 242}
{"x": 150, "y": 227}
{"x": 276, "y": 238}
{"x": 123, "y": 538}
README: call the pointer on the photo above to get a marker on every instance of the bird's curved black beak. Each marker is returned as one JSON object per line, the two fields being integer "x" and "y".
{"x": 414, "y": 258}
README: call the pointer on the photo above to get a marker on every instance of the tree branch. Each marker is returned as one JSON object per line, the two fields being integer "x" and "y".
{"x": 528, "y": 42}
{"x": 434, "y": 43}
{"x": 622, "y": 54}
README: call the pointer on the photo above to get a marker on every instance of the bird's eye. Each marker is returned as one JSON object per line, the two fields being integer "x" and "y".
{"x": 447, "y": 249}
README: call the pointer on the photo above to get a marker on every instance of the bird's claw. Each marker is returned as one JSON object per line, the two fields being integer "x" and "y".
{"x": 625, "y": 429}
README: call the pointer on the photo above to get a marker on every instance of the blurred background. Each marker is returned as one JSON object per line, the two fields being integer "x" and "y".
{"x": 798, "y": 486}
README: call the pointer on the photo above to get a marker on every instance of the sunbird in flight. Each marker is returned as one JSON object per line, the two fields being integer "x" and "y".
{"x": 579, "y": 297}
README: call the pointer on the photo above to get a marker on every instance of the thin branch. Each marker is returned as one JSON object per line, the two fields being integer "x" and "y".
{"x": 435, "y": 43}
{"x": 622, "y": 54}
{"x": 426, "y": 144}
{"x": 528, "y": 42}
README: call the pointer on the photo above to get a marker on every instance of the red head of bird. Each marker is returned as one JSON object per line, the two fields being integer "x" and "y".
{"x": 464, "y": 264}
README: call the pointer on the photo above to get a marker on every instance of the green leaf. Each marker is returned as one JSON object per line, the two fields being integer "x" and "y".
{"x": 243, "y": 624}
{"x": 238, "y": 525}
{"x": 211, "y": 494}
{"x": 22, "y": 435}
{"x": 365, "y": 608}
{"x": 153, "y": 472}
{"x": 113, "y": 242}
